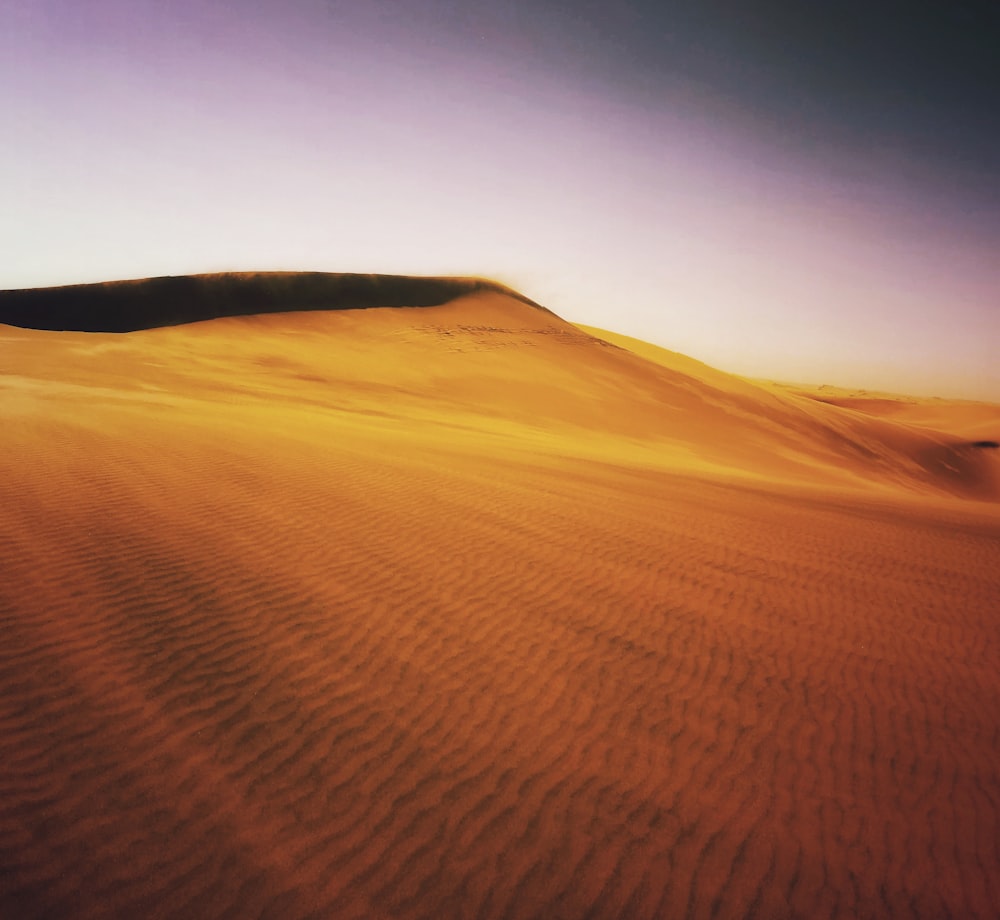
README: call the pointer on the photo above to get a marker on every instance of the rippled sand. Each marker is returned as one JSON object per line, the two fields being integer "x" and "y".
{"x": 463, "y": 612}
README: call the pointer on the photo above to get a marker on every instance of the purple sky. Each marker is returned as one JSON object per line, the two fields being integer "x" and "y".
{"x": 813, "y": 201}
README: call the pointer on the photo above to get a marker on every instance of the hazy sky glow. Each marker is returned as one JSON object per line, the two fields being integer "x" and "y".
{"x": 806, "y": 198}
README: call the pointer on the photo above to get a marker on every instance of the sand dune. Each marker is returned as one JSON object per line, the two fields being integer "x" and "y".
{"x": 967, "y": 418}
{"x": 467, "y": 612}
{"x": 897, "y": 440}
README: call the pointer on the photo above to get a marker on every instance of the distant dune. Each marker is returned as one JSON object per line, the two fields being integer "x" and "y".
{"x": 918, "y": 443}
{"x": 466, "y": 611}
{"x": 966, "y": 418}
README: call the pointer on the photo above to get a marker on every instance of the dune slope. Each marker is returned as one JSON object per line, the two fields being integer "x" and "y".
{"x": 936, "y": 443}
{"x": 464, "y": 612}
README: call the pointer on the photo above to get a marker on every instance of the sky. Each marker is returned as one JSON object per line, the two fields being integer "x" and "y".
{"x": 798, "y": 191}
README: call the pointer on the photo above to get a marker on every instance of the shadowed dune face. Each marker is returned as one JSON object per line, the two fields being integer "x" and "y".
{"x": 127, "y": 306}
{"x": 464, "y": 612}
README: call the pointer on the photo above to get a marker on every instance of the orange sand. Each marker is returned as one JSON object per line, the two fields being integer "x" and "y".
{"x": 463, "y": 612}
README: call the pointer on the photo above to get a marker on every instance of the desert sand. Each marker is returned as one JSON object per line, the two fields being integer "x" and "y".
{"x": 460, "y": 610}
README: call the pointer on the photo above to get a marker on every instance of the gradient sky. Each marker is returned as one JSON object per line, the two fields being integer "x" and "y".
{"x": 804, "y": 191}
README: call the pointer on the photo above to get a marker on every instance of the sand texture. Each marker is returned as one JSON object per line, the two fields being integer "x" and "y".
{"x": 464, "y": 612}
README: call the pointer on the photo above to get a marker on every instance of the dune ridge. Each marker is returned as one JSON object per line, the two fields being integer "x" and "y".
{"x": 467, "y": 612}
{"x": 171, "y": 300}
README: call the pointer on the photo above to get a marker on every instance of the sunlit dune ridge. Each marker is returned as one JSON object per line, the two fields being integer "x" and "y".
{"x": 465, "y": 611}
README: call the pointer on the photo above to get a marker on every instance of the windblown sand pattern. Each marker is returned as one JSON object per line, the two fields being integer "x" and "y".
{"x": 462, "y": 612}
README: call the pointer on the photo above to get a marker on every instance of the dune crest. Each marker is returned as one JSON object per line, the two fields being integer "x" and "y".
{"x": 145, "y": 303}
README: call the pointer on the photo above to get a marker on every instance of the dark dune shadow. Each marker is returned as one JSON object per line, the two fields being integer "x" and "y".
{"x": 962, "y": 469}
{"x": 126, "y": 306}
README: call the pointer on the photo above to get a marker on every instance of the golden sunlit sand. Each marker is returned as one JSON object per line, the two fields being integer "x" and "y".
{"x": 465, "y": 611}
